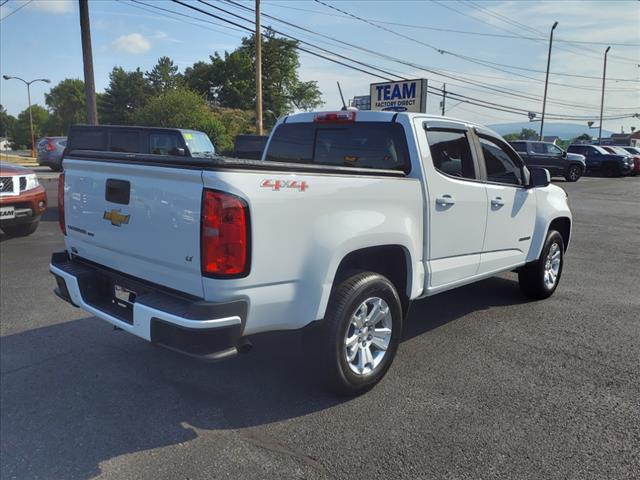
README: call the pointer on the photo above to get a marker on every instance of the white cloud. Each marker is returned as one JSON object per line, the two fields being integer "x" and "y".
{"x": 53, "y": 6}
{"x": 133, "y": 43}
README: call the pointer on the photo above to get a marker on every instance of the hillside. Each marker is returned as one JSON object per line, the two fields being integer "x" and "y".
{"x": 565, "y": 131}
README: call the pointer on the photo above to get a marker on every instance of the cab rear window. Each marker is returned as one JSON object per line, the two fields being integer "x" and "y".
{"x": 373, "y": 145}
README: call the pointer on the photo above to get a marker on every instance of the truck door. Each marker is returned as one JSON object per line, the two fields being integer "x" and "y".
{"x": 538, "y": 156}
{"x": 557, "y": 162}
{"x": 511, "y": 211}
{"x": 457, "y": 203}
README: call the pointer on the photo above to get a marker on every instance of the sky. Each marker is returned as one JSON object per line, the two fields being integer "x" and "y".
{"x": 41, "y": 38}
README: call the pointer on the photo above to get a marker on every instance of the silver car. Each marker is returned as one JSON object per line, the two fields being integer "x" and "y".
{"x": 50, "y": 152}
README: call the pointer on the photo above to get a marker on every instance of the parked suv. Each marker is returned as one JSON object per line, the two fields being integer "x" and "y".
{"x": 599, "y": 160}
{"x": 626, "y": 152}
{"x": 22, "y": 200}
{"x": 151, "y": 141}
{"x": 571, "y": 166}
{"x": 50, "y": 152}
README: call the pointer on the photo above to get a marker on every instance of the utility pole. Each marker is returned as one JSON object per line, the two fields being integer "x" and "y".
{"x": 604, "y": 76}
{"x": 258, "y": 41}
{"x": 87, "y": 58}
{"x": 444, "y": 96}
{"x": 546, "y": 81}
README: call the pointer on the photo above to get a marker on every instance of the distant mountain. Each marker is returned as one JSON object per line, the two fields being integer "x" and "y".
{"x": 565, "y": 131}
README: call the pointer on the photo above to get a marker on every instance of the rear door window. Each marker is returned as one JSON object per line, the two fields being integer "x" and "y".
{"x": 164, "y": 143}
{"x": 451, "y": 153}
{"x": 125, "y": 141}
{"x": 538, "y": 148}
{"x": 375, "y": 145}
{"x": 519, "y": 147}
{"x": 94, "y": 139}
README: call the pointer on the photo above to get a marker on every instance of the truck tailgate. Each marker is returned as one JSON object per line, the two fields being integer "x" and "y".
{"x": 141, "y": 220}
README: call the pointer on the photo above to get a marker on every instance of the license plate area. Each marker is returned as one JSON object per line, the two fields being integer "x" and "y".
{"x": 7, "y": 213}
{"x": 123, "y": 297}
{"x": 108, "y": 295}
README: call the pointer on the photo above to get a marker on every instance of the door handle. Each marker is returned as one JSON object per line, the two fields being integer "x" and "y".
{"x": 497, "y": 202}
{"x": 445, "y": 200}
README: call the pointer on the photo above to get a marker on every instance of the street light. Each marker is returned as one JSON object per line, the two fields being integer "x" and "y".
{"x": 28, "y": 84}
{"x": 604, "y": 75}
{"x": 546, "y": 81}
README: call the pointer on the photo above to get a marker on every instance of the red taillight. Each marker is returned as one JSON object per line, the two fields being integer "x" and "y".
{"x": 50, "y": 147}
{"x": 61, "y": 222}
{"x": 224, "y": 240}
{"x": 343, "y": 116}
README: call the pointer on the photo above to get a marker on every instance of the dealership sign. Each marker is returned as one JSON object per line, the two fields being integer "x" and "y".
{"x": 404, "y": 96}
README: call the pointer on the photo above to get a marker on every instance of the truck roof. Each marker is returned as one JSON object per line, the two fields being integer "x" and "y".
{"x": 133, "y": 127}
{"x": 380, "y": 116}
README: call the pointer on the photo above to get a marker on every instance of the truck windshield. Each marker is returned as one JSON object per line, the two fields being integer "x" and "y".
{"x": 362, "y": 145}
{"x": 199, "y": 144}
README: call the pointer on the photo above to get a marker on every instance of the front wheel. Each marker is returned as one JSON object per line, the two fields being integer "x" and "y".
{"x": 360, "y": 333}
{"x": 541, "y": 278}
{"x": 573, "y": 174}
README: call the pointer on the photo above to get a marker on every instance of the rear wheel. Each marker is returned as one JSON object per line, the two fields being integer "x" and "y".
{"x": 20, "y": 230}
{"x": 541, "y": 278}
{"x": 574, "y": 173}
{"x": 360, "y": 334}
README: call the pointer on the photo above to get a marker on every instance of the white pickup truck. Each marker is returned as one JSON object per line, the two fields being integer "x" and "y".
{"x": 348, "y": 217}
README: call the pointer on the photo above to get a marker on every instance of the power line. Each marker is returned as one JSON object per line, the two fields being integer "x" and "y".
{"x": 486, "y": 63}
{"x": 467, "y": 98}
{"x": 16, "y": 10}
{"x": 505, "y": 90}
{"x": 520, "y": 26}
{"x": 138, "y": 4}
{"x": 464, "y": 32}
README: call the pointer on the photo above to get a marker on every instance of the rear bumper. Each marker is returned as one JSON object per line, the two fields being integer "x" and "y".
{"x": 206, "y": 330}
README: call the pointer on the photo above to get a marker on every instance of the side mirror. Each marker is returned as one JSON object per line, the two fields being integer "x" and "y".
{"x": 180, "y": 152}
{"x": 539, "y": 177}
{"x": 564, "y": 154}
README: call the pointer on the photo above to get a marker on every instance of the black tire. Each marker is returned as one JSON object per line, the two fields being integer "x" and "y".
{"x": 345, "y": 301}
{"x": 20, "y": 230}
{"x": 573, "y": 173}
{"x": 532, "y": 276}
{"x": 610, "y": 170}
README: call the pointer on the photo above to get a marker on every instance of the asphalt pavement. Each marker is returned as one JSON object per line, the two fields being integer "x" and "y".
{"x": 486, "y": 384}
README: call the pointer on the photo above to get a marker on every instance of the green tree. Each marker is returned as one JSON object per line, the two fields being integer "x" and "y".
{"x": 22, "y": 133}
{"x": 67, "y": 104}
{"x": 182, "y": 108}
{"x": 232, "y": 78}
{"x": 528, "y": 134}
{"x": 126, "y": 93}
{"x": 163, "y": 76}
{"x": 282, "y": 89}
{"x": 584, "y": 136}
{"x": 7, "y": 123}
{"x": 510, "y": 137}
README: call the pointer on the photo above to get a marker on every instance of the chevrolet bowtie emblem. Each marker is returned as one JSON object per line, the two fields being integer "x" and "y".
{"x": 116, "y": 218}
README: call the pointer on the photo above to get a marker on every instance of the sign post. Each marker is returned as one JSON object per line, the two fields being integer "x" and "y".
{"x": 402, "y": 96}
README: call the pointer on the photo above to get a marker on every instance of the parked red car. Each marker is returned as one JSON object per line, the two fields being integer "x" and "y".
{"x": 22, "y": 200}
{"x": 622, "y": 151}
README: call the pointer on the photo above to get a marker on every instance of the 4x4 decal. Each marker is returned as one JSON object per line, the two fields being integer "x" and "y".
{"x": 278, "y": 185}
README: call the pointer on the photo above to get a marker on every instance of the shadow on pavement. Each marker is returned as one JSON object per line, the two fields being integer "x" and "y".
{"x": 77, "y": 393}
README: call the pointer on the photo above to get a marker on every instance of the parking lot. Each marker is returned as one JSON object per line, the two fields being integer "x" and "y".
{"x": 486, "y": 383}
